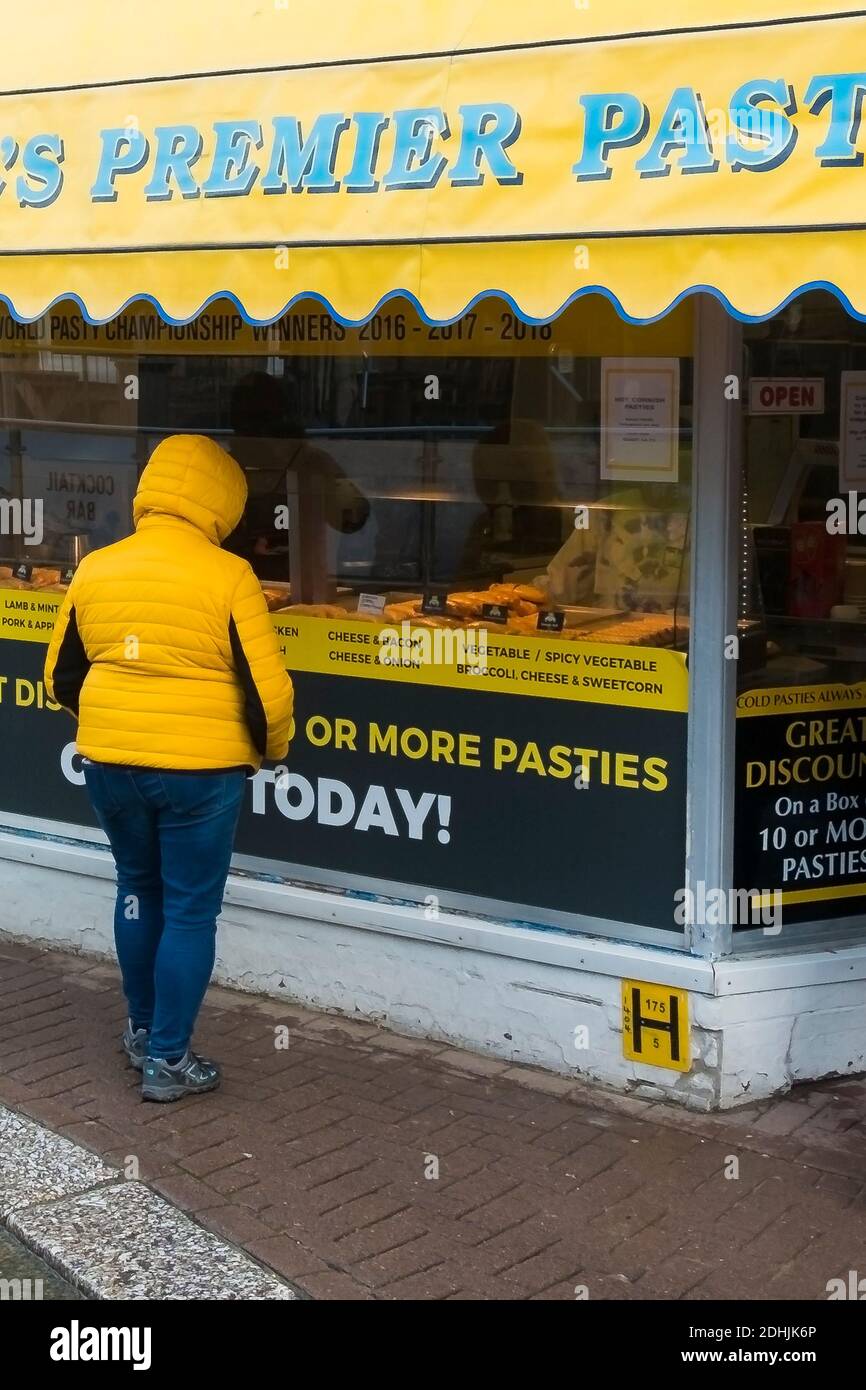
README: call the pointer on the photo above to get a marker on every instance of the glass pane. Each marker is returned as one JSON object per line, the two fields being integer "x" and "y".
{"x": 802, "y": 658}
{"x": 409, "y": 475}
{"x": 475, "y": 542}
{"x": 69, "y": 462}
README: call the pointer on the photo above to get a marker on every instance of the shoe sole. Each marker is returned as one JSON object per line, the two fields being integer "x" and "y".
{"x": 137, "y": 1062}
{"x": 166, "y": 1095}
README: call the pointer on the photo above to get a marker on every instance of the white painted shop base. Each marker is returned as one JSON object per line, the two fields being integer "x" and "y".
{"x": 759, "y": 1024}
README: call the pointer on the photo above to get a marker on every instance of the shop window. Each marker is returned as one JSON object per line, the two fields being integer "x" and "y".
{"x": 801, "y": 775}
{"x": 473, "y": 478}
{"x": 69, "y": 461}
{"x": 475, "y": 541}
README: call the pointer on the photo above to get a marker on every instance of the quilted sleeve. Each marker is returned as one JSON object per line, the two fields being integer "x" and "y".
{"x": 66, "y": 664}
{"x": 267, "y": 688}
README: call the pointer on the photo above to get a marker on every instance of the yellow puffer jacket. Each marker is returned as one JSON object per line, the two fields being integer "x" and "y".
{"x": 164, "y": 648}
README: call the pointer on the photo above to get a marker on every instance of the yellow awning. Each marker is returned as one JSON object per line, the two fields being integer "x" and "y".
{"x": 350, "y": 153}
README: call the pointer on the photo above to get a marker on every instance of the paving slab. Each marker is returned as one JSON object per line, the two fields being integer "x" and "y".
{"x": 37, "y": 1166}
{"x": 126, "y": 1242}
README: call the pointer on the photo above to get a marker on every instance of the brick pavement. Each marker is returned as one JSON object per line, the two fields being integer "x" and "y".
{"x": 320, "y": 1159}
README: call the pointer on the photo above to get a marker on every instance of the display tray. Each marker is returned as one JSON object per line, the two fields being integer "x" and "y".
{"x": 785, "y": 670}
{"x": 501, "y": 611}
{"x": 36, "y": 578}
{"x": 590, "y": 617}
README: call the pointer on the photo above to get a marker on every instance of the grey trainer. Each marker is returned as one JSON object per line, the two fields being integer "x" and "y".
{"x": 189, "y": 1077}
{"x": 135, "y": 1044}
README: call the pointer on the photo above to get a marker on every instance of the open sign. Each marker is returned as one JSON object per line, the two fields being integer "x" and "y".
{"x": 786, "y": 396}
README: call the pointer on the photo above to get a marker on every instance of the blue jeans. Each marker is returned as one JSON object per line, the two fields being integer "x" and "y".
{"x": 171, "y": 834}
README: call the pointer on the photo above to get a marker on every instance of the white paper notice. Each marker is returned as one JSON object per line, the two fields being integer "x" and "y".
{"x": 640, "y": 419}
{"x": 372, "y": 603}
{"x": 852, "y": 434}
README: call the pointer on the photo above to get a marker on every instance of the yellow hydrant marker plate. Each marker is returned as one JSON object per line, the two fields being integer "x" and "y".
{"x": 655, "y": 1025}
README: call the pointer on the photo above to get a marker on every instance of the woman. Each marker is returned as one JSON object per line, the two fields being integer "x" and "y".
{"x": 165, "y": 653}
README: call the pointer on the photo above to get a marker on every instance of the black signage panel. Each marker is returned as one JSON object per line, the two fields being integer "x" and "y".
{"x": 801, "y": 800}
{"x": 570, "y": 806}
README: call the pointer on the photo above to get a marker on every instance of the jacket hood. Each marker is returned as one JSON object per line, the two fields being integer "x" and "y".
{"x": 191, "y": 477}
